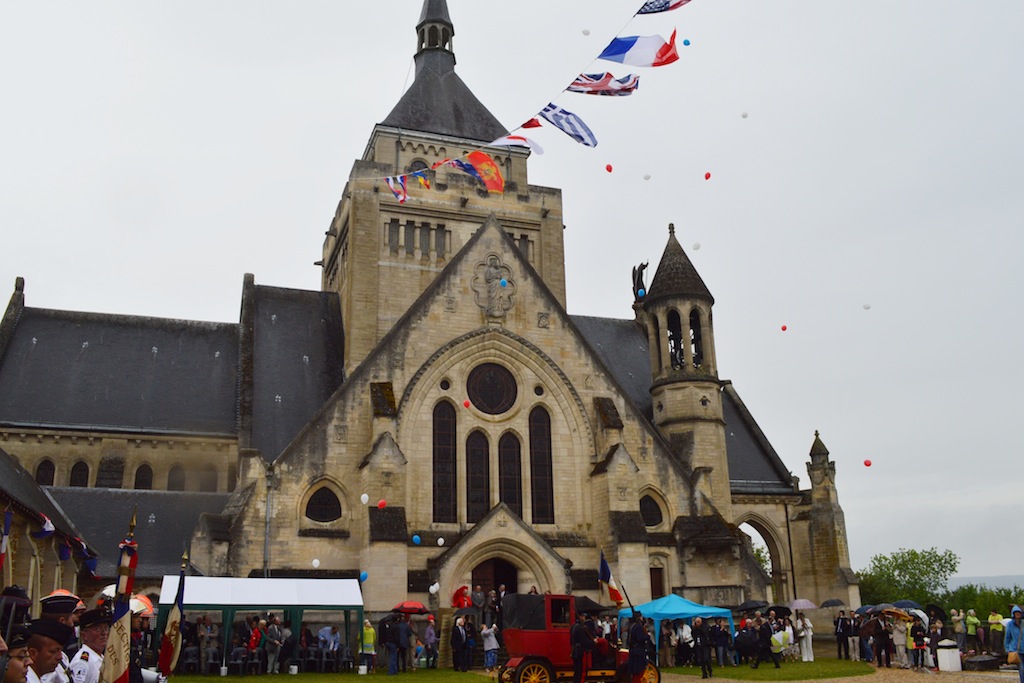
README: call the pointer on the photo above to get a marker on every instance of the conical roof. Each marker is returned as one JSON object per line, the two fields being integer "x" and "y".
{"x": 676, "y": 276}
{"x": 818, "y": 447}
{"x": 438, "y": 101}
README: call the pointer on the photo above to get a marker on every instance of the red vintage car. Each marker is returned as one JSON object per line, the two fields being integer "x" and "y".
{"x": 536, "y": 633}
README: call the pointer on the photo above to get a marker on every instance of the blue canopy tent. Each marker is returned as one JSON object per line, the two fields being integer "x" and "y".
{"x": 674, "y": 607}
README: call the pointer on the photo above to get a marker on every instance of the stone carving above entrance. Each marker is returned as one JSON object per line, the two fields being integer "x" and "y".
{"x": 494, "y": 298}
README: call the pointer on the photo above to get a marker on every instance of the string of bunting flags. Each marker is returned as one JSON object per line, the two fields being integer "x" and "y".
{"x": 642, "y": 51}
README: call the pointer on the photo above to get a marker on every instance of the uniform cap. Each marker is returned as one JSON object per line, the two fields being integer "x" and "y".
{"x": 54, "y": 630}
{"x": 57, "y": 603}
{"x": 18, "y": 637}
{"x": 93, "y": 617}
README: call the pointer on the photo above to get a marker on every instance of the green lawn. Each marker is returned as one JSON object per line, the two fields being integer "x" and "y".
{"x": 795, "y": 671}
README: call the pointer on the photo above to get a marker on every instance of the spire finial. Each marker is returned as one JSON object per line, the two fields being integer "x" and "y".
{"x": 671, "y": 228}
{"x": 816, "y": 433}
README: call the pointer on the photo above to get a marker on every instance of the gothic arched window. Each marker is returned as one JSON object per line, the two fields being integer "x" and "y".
{"x": 79, "y": 475}
{"x": 144, "y": 477}
{"x": 650, "y": 511}
{"x": 675, "y": 339}
{"x": 44, "y": 473}
{"x": 541, "y": 483}
{"x": 444, "y": 463}
{"x": 176, "y": 479}
{"x": 323, "y": 506}
{"x": 510, "y": 473}
{"x": 478, "y": 477}
{"x": 696, "y": 340}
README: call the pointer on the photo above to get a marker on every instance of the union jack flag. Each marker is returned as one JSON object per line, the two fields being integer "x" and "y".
{"x": 655, "y": 6}
{"x": 605, "y": 84}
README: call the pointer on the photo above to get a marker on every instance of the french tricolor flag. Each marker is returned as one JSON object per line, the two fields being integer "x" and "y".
{"x": 642, "y": 50}
{"x": 604, "y": 575}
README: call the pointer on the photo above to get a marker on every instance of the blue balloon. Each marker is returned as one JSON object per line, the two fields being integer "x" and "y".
{"x": 686, "y": 42}
{"x": 504, "y": 282}
{"x": 641, "y": 292}
{"x": 363, "y": 576}
{"x": 416, "y": 539}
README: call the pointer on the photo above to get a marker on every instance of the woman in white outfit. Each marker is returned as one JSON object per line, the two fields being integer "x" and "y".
{"x": 804, "y": 626}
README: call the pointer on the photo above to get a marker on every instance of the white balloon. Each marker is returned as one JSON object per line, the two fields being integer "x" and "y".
{"x": 433, "y": 589}
{"x": 586, "y": 31}
{"x": 744, "y": 114}
{"x": 647, "y": 176}
{"x": 316, "y": 564}
{"x": 867, "y": 307}
{"x": 696, "y": 246}
{"x": 440, "y": 541}
{"x": 364, "y": 499}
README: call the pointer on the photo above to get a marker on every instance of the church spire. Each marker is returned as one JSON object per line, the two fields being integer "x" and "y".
{"x": 435, "y": 29}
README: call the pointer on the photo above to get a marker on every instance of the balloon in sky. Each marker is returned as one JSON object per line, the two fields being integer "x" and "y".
{"x": 364, "y": 499}
{"x": 867, "y": 307}
{"x": 608, "y": 167}
{"x": 363, "y": 576}
{"x": 316, "y": 564}
{"x": 381, "y": 504}
{"x": 440, "y": 541}
{"x": 783, "y": 328}
{"x": 686, "y": 42}
{"x": 641, "y": 292}
{"x": 586, "y": 31}
{"x": 466, "y": 403}
{"x": 696, "y": 246}
{"x": 647, "y": 176}
{"x": 744, "y": 114}
{"x": 867, "y": 463}
{"x": 416, "y": 539}
{"x": 707, "y": 176}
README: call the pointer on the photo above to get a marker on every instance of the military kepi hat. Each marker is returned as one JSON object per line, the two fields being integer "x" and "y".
{"x": 54, "y": 630}
{"x": 59, "y": 604}
{"x": 18, "y": 637}
{"x": 93, "y": 617}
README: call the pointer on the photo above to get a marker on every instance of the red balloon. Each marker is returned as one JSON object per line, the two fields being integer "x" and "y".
{"x": 466, "y": 403}
{"x": 381, "y": 504}
{"x": 867, "y": 463}
{"x": 783, "y": 328}
{"x": 707, "y": 176}
{"x": 608, "y": 168}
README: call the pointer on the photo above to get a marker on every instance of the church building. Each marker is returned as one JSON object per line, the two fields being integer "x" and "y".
{"x": 432, "y": 415}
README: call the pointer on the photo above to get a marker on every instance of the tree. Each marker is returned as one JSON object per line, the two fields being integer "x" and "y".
{"x": 919, "y": 575}
{"x": 763, "y": 558}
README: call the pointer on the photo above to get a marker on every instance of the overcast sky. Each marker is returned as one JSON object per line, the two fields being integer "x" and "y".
{"x": 153, "y": 153}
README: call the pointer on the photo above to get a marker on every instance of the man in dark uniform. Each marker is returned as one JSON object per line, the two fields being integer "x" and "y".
{"x": 582, "y": 641}
{"x": 639, "y": 639}
{"x": 764, "y": 645}
{"x": 844, "y": 629}
{"x": 702, "y": 646}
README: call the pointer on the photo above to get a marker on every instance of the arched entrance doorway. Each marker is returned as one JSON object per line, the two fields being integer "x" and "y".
{"x": 492, "y": 573}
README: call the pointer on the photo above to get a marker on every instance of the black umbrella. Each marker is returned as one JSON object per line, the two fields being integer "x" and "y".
{"x": 585, "y": 605}
{"x": 935, "y": 612}
{"x": 781, "y": 611}
{"x": 907, "y": 604}
{"x": 863, "y": 609}
{"x": 466, "y": 612}
{"x": 833, "y": 602}
{"x": 751, "y": 605}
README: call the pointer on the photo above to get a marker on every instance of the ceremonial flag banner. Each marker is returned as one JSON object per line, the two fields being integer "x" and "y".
{"x": 604, "y": 575}
{"x": 517, "y": 141}
{"x": 641, "y": 50}
{"x": 170, "y": 646}
{"x": 463, "y": 166}
{"x": 487, "y": 171}
{"x": 397, "y": 186}
{"x": 115, "y": 661}
{"x": 421, "y": 176}
{"x": 570, "y": 124}
{"x": 8, "y": 519}
{"x": 655, "y": 6}
{"x": 605, "y": 84}
{"x": 532, "y": 123}
{"x": 47, "y": 529}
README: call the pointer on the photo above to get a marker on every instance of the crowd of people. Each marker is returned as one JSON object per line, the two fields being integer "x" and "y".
{"x": 891, "y": 639}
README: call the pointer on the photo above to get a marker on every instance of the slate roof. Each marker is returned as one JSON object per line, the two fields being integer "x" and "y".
{"x": 71, "y": 370}
{"x": 439, "y": 101}
{"x": 754, "y": 466}
{"x": 103, "y": 515}
{"x": 19, "y": 487}
{"x": 676, "y": 276}
{"x": 297, "y": 362}
{"x": 622, "y": 347}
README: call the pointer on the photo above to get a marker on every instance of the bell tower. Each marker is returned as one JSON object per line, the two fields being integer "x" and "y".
{"x": 685, "y": 389}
